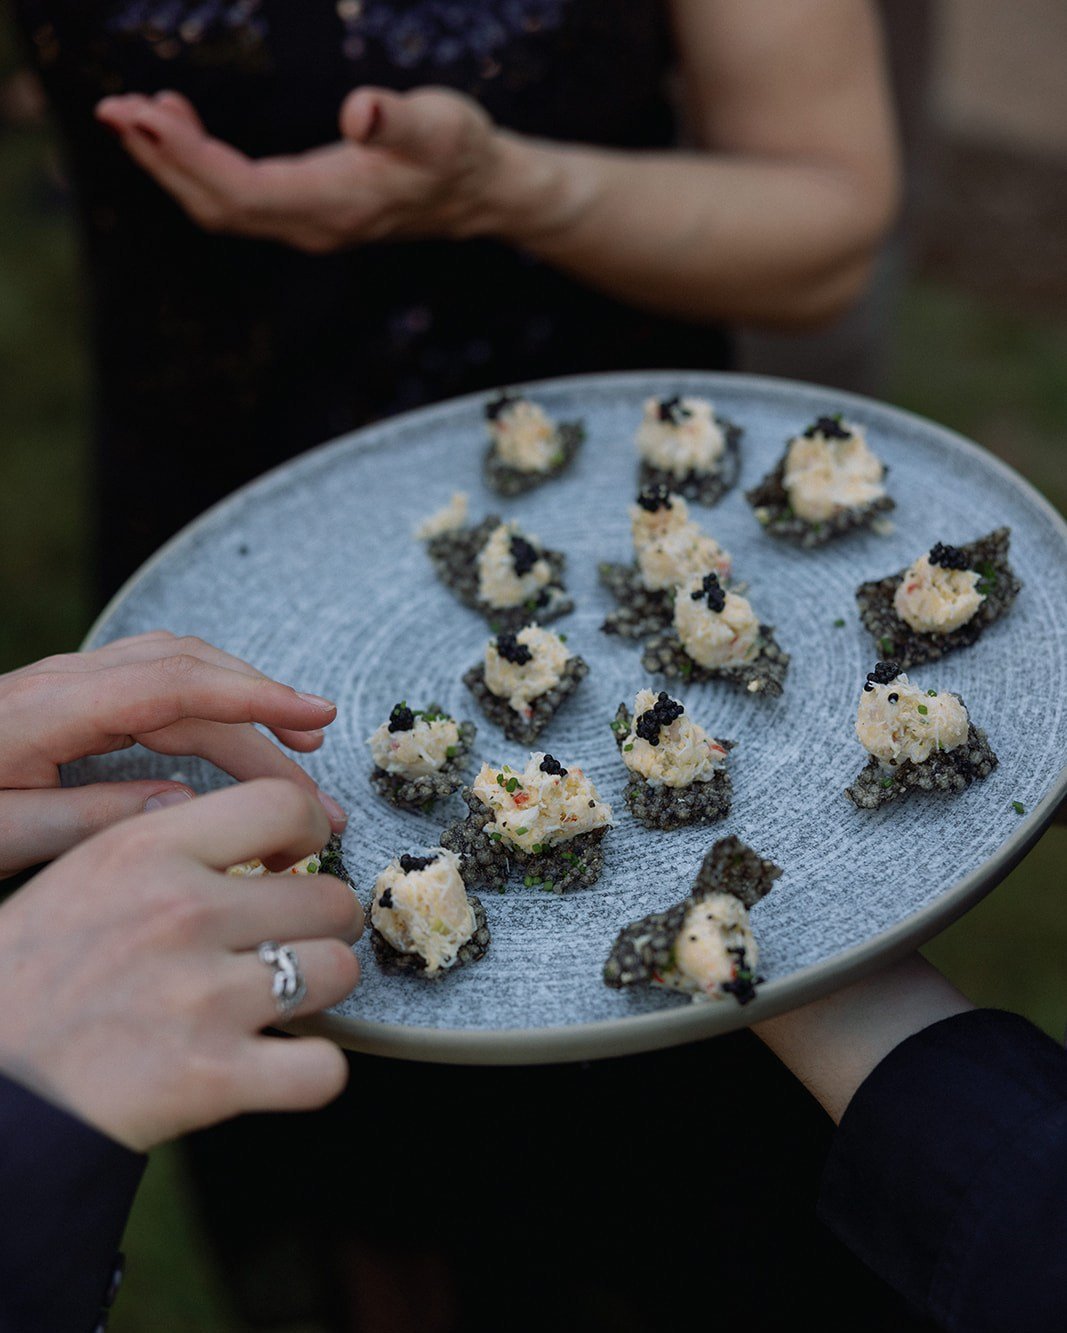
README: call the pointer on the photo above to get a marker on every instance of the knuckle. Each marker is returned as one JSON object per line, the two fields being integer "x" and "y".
{"x": 183, "y": 916}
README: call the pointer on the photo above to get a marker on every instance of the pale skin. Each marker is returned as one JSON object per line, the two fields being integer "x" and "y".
{"x": 131, "y": 992}
{"x": 177, "y": 696}
{"x": 832, "y": 1044}
{"x": 773, "y": 217}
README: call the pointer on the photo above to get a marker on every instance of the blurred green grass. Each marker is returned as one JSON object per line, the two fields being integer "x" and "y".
{"x": 993, "y": 374}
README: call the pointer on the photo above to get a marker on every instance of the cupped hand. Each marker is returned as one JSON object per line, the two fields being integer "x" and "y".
{"x": 413, "y": 164}
{"x": 174, "y": 696}
{"x": 131, "y": 990}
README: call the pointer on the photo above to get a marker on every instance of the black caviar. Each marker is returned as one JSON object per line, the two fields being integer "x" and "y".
{"x": 408, "y": 864}
{"x": 499, "y": 405}
{"x": 829, "y": 428}
{"x": 652, "y": 498}
{"x": 948, "y": 557}
{"x": 711, "y": 588}
{"x": 550, "y": 765}
{"x": 524, "y": 555}
{"x": 883, "y": 674}
{"x": 662, "y": 713}
{"x": 401, "y": 718}
{"x": 673, "y": 410}
{"x": 511, "y": 650}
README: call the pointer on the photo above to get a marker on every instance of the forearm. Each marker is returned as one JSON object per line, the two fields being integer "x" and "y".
{"x": 833, "y": 1044}
{"x": 696, "y": 235}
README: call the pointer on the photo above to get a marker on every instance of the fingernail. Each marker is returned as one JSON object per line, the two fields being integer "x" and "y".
{"x": 374, "y": 121}
{"x": 336, "y": 813}
{"x": 318, "y": 701}
{"x": 172, "y": 796}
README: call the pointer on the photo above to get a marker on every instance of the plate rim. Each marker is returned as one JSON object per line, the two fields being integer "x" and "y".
{"x": 632, "y": 1033}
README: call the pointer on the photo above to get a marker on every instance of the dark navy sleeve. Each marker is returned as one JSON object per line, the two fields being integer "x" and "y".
{"x": 66, "y": 1190}
{"x": 948, "y": 1174}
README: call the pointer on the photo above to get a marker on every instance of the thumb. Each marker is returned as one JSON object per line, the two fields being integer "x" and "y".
{"x": 41, "y": 824}
{"x": 425, "y": 125}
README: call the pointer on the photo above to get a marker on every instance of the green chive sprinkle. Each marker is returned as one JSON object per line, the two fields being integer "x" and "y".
{"x": 537, "y": 848}
{"x": 520, "y": 831}
{"x": 887, "y": 782}
{"x": 923, "y": 709}
{"x": 839, "y": 623}
{"x": 1018, "y": 807}
{"x": 511, "y": 784}
{"x": 932, "y": 694}
{"x": 628, "y": 747}
{"x": 451, "y": 751}
{"x": 885, "y": 643}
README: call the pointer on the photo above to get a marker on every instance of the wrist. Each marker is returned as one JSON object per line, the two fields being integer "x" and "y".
{"x": 535, "y": 192}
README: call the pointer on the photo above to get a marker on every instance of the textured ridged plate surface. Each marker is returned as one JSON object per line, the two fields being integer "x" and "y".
{"x": 311, "y": 573}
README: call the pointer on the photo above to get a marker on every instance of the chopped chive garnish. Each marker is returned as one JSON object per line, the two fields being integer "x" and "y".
{"x": 839, "y": 623}
{"x": 495, "y": 837}
{"x": 887, "y": 782}
{"x": 511, "y": 784}
{"x": 885, "y": 643}
{"x": 549, "y": 885}
{"x": 923, "y": 709}
{"x": 451, "y": 751}
{"x": 528, "y": 881}
{"x": 932, "y": 694}
{"x": 537, "y": 848}
{"x": 628, "y": 747}
{"x": 500, "y": 779}
{"x": 520, "y": 831}
{"x": 1018, "y": 807}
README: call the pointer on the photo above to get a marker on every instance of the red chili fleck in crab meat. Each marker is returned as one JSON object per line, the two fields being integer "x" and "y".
{"x": 521, "y": 798}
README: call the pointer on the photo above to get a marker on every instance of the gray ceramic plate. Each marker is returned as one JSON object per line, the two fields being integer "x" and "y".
{"x": 311, "y": 573}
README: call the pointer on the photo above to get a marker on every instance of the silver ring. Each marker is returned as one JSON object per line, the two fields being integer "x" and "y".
{"x": 287, "y": 982}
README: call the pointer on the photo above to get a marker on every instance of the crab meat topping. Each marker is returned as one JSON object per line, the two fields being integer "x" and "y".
{"x": 423, "y": 748}
{"x": 449, "y": 519}
{"x": 681, "y": 753}
{"x": 424, "y": 909}
{"x": 935, "y": 600}
{"x": 540, "y": 806}
{"x": 511, "y": 568}
{"x": 831, "y": 469}
{"x": 715, "y": 638}
{"x": 680, "y": 435}
{"x": 898, "y": 721}
{"x": 524, "y": 436}
{"x": 713, "y": 945}
{"x": 519, "y": 676}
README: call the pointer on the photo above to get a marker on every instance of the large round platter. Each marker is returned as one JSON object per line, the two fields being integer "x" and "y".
{"x": 312, "y": 574}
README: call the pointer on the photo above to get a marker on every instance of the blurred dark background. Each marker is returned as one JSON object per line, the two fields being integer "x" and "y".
{"x": 968, "y": 326}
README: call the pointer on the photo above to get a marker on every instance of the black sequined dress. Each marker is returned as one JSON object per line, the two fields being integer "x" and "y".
{"x": 218, "y": 358}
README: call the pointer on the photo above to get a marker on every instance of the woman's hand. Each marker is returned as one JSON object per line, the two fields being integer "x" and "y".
{"x": 409, "y": 164}
{"x": 174, "y": 696}
{"x": 131, "y": 991}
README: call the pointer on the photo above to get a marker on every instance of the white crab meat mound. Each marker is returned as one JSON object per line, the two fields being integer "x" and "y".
{"x": 723, "y": 638}
{"x": 533, "y": 809}
{"x": 449, "y": 519}
{"x": 899, "y": 721}
{"x": 669, "y": 547}
{"x": 415, "y": 753}
{"x": 498, "y": 583}
{"x": 684, "y": 754}
{"x": 823, "y": 477}
{"x": 934, "y": 600}
{"x": 695, "y": 443}
{"x": 702, "y": 959}
{"x": 429, "y": 913}
{"x": 525, "y": 437}
{"x": 518, "y": 683}
{"x": 309, "y": 865}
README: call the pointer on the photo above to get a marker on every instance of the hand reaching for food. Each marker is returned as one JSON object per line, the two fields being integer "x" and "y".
{"x": 137, "y": 979}
{"x": 177, "y": 696}
{"x": 407, "y": 165}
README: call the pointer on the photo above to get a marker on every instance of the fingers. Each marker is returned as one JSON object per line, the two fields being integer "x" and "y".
{"x": 84, "y": 710}
{"x": 209, "y": 178}
{"x": 277, "y": 822}
{"x": 288, "y": 907}
{"x": 154, "y": 646}
{"x": 329, "y": 968}
{"x": 297, "y": 1074}
{"x": 427, "y": 125}
{"x": 38, "y": 826}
